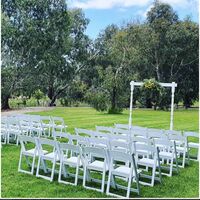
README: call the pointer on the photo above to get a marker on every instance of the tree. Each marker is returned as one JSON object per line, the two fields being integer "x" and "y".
{"x": 46, "y": 40}
{"x": 38, "y": 94}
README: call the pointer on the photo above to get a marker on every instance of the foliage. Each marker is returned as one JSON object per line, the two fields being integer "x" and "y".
{"x": 38, "y": 94}
{"x": 151, "y": 93}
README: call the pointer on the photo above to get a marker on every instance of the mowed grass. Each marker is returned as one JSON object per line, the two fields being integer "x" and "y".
{"x": 183, "y": 185}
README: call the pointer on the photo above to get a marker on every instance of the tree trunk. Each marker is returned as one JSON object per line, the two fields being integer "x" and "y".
{"x": 52, "y": 103}
{"x": 5, "y": 102}
{"x": 113, "y": 101}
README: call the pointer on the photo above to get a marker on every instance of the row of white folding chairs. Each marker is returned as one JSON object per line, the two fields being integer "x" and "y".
{"x": 125, "y": 146}
{"x": 89, "y": 158}
{"x": 29, "y": 125}
{"x": 187, "y": 135}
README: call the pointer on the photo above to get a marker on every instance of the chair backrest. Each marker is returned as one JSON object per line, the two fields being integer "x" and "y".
{"x": 84, "y": 132}
{"x": 116, "y": 137}
{"x": 122, "y": 131}
{"x": 140, "y": 132}
{"x": 120, "y": 146}
{"x": 46, "y": 119}
{"x": 44, "y": 143}
{"x": 165, "y": 144}
{"x": 99, "y": 142}
{"x": 69, "y": 147}
{"x": 144, "y": 147}
{"x": 94, "y": 152}
{"x": 191, "y": 134}
{"x": 180, "y": 138}
{"x": 56, "y": 135}
{"x": 105, "y": 129}
{"x": 102, "y": 135}
{"x": 120, "y": 156}
{"x": 24, "y": 139}
{"x": 78, "y": 140}
{"x": 172, "y": 132}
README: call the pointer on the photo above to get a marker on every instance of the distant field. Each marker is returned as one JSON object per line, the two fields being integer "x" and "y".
{"x": 184, "y": 185}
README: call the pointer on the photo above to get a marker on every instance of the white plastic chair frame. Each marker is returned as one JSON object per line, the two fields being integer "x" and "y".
{"x": 167, "y": 152}
{"x": 181, "y": 146}
{"x": 150, "y": 159}
{"x": 94, "y": 165}
{"x": 191, "y": 145}
{"x": 14, "y": 129}
{"x": 52, "y": 156}
{"x": 58, "y": 123}
{"x": 69, "y": 160}
{"x": 130, "y": 173}
{"x": 47, "y": 124}
{"x": 27, "y": 153}
{"x": 4, "y": 130}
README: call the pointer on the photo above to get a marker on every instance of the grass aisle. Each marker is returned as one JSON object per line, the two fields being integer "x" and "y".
{"x": 185, "y": 184}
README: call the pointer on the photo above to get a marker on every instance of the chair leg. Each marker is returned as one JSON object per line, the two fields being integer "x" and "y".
{"x": 171, "y": 167}
{"x": 60, "y": 172}
{"x": 38, "y": 166}
{"x": 20, "y": 160}
{"x": 153, "y": 175}
{"x": 129, "y": 187}
{"x": 33, "y": 165}
{"x": 53, "y": 169}
{"x": 84, "y": 176}
{"x": 103, "y": 181}
{"x": 76, "y": 178}
{"x": 108, "y": 184}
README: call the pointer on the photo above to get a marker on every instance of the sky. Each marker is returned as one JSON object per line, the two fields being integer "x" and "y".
{"x": 101, "y": 13}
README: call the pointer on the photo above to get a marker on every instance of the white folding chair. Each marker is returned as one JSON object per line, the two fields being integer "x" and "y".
{"x": 4, "y": 130}
{"x": 28, "y": 152}
{"x": 120, "y": 146}
{"x": 47, "y": 124}
{"x": 67, "y": 160}
{"x": 14, "y": 129}
{"x": 167, "y": 153}
{"x": 92, "y": 162}
{"x": 53, "y": 157}
{"x": 36, "y": 126}
{"x": 150, "y": 159}
{"x": 130, "y": 173}
{"x": 192, "y": 144}
{"x": 78, "y": 140}
{"x": 181, "y": 146}
{"x": 58, "y": 124}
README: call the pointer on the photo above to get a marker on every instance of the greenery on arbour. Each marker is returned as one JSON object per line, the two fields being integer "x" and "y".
{"x": 183, "y": 185}
{"x": 64, "y": 63}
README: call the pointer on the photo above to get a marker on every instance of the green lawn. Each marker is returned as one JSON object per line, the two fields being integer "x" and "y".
{"x": 185, "y": 184}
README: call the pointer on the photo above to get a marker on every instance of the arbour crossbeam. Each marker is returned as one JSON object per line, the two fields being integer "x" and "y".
{"x": 173, "y": 85}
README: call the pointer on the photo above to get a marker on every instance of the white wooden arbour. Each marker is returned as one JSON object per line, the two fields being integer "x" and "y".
{"x": 173, "y": 85}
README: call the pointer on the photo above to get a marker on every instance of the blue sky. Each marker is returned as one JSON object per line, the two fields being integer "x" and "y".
{"x": 104, "y": 12}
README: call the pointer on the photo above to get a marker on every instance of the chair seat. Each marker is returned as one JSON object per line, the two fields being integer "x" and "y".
{"x": 124, "y": 171}
{"x": 146, "y": 162}
{"x": 97, "y": 165}
{"x": 32, "y": 151}
{"x": 164, "y": 154}
{"x": 180, "y": 149}
{"x": 50, "y": 156}
{"x": 193, "y": 145}
{"x": 73, "y": 161}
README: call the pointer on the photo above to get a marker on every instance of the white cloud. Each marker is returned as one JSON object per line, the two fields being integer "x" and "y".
{"x": 108, "y": 4}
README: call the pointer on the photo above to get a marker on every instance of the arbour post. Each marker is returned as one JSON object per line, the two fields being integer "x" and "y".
{"x": 172, "y": 107}
{"x": 131, "y": 105}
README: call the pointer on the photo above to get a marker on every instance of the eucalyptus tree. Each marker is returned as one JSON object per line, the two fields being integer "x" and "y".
{"x": 47, "y": 39}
